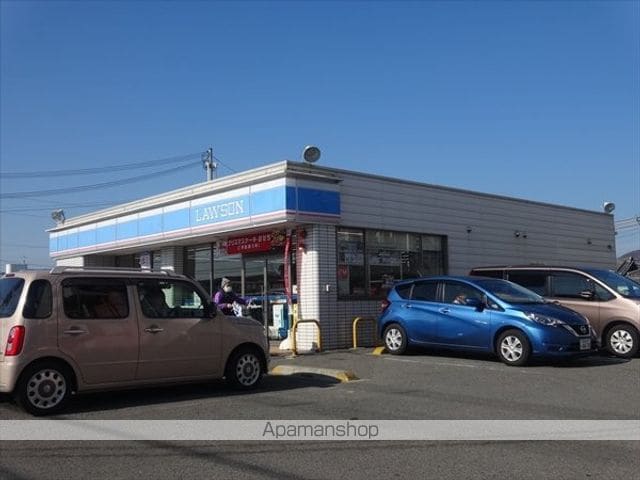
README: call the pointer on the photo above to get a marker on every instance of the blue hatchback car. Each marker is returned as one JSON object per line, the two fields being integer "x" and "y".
{"x": 480, "y": 314}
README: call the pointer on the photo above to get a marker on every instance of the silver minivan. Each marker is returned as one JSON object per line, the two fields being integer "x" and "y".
{"x": 610, "y": 301}
{"x": 73, "y": 330}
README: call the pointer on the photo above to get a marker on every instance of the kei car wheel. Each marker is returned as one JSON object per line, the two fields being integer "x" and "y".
{"x": 395, "y": 339}
{"x": 244, "y": 369}
{"x": 513, "y": 348}
{"x": 44, "y": 388}
{"x": 622, "y": 341}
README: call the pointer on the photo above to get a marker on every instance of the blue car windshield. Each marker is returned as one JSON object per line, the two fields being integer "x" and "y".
{"x": 509, "y": 292}
{"x": 623, "y": 285}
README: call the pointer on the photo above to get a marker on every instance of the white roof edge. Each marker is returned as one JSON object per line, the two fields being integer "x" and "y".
{"x": 266, "y": 172}
{"x": 218, "y": 185}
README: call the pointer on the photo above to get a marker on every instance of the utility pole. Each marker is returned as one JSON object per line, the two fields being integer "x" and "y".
{"x": 209, "y": 165}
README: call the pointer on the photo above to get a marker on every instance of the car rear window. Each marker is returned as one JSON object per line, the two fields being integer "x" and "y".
{"x": 10, "y": 290}
{"x": 487, "y": 273}
{"x": 570, "y": 285}
{"x": 97, "y": 298}
{"x": 534, "y": 281}
{"x": 425, "y": 291}
{"x": 39, "y": 300}
{"x": 404, "y": 290}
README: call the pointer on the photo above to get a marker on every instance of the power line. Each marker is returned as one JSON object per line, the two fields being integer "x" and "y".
{"x": 94, "y": 170}
{"x": 47, "y": 201}
{"x": 25, "y": 215}
{"x": 95, "y": 186}
{"x": 630, "y": 222}
{"x": 17, "y": 245}
{"x": 630, "y": 228}
{"x": 224, "y": 164}
{"x": 64, "y": 205}
{"x": 626, "y": 234}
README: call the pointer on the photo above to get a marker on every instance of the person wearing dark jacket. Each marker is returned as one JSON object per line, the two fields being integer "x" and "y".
{"x": 226, "y": 297}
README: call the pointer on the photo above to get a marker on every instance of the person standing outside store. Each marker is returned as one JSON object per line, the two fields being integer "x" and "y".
{"x": 225, "y": 297}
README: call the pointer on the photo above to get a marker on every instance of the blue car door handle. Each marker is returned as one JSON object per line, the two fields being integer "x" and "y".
{"x": 407, "y": 305}
{"x": 444, "y": 310}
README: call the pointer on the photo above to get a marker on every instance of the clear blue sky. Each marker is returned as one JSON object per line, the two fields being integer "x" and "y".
{"x": 535, "y": 100}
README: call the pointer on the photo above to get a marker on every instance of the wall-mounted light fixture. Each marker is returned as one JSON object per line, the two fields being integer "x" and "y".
{"x": 469, "y": 229}
{"x": 311, "y": 154}
{"x": 517, "y": 234}
{"x": 589, "y": 241}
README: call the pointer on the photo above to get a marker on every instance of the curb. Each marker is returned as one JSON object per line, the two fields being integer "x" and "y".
{"x": 342, "y": 376}
{"x": 379, "y": 351}
{"x": 279, "y": 353}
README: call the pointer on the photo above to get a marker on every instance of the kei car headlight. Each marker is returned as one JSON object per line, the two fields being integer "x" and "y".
{"x": 544, "y": 320}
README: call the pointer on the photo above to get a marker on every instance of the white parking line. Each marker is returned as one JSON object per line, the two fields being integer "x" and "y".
{"x": 465, "y": 365}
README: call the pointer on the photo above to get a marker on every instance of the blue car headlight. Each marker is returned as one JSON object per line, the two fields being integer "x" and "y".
{"x": 544, "y": 320}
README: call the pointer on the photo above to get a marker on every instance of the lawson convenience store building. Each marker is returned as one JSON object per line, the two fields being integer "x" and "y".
{"x": 333, "y": 240}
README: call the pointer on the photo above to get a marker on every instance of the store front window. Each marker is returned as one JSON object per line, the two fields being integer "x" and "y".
{"x": 228, "y": 266}
{"x": 255, "y": 265}
{"x": 126, "y": 261}
{"x": 198, "y": 265}
{"x": 351, "y": 273}
{"x": 391, "y": 256}
{"x": 370, "y": 261}
{"x": 433, "y": 255}
{"x": 147, "y": 260}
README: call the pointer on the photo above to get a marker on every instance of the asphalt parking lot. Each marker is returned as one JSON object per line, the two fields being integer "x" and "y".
{"x": 422, "y": 385}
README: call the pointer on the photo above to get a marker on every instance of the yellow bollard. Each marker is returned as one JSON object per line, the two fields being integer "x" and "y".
{"x": 295, "y": 330}
{"x": 355, "y": 328}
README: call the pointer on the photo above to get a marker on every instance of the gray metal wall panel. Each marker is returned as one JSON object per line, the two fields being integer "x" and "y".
{"x": 554, "y": 234}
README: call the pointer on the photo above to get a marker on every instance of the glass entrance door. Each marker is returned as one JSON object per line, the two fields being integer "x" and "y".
{"x": 265, "y": 292}
{"x": 255, "y": 288}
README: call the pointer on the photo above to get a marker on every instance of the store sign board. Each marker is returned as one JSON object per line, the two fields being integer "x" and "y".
{"x": 246, "y": 207}
{"x": 258, "y": 242}
{"x": 219, "y": 211}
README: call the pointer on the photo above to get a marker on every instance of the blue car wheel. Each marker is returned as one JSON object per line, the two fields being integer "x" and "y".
{"x": 513, "y": 348}
{"x": 395, "y": 339}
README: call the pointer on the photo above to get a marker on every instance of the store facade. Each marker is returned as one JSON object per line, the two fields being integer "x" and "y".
{"x": 326, "y": 241}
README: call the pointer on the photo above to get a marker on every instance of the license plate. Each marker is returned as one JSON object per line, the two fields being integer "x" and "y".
{"x": 585, "y": 343}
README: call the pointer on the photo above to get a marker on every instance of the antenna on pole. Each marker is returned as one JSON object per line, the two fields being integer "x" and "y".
{"x": 209, "y": 165}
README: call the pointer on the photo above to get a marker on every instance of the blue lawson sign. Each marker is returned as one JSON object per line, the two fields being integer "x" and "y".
{"x": 213, "y": 212}
{"x": 199, "y": 215}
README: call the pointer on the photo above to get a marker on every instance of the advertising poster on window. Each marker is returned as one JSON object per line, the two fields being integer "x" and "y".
{"x": 257, "y": 242}
{"x": 350, "y": 253}
{"x": 385, "y": 257}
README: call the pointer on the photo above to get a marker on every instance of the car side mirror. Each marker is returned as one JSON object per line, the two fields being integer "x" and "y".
{"x": 587, "y": 295}
{"x": 476, "y": 303}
